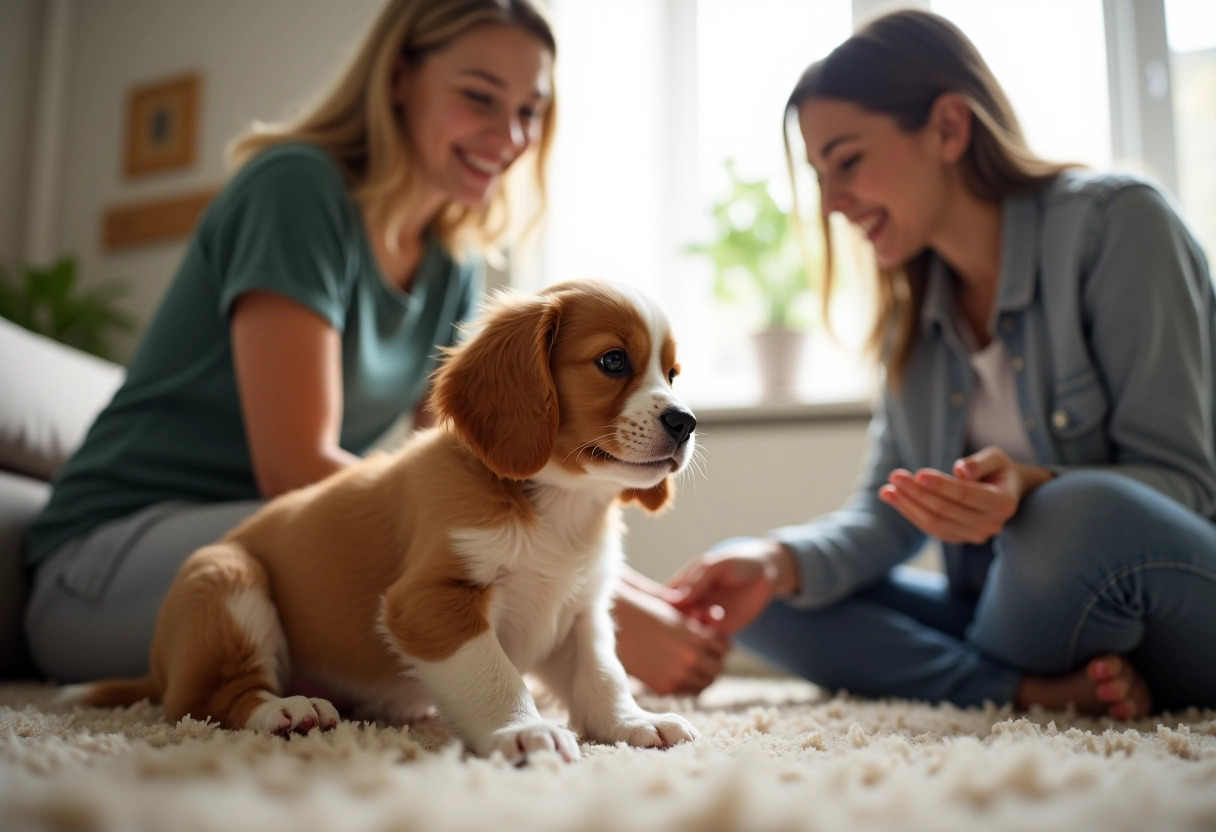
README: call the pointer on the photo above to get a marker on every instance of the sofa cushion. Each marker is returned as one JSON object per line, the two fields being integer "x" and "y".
{"x": 51, "y": 395}
{"x": 20, "y": 499}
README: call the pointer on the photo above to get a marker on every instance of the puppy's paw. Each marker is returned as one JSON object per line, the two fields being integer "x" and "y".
{"x": 516, "y": 742}
{"x": 643, "y": 729}
{"x": 293, "y": 713}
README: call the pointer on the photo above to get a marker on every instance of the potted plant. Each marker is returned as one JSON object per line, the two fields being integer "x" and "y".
{"x": 49, "y": 301}
{"x": 757, "y": 261}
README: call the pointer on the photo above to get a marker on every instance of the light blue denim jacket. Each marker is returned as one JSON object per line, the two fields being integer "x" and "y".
{"x": 1106, "y": 310}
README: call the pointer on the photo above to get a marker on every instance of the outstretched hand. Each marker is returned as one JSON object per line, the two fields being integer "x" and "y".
{"x": 972, "y": 504}
{"x": 669, "y": 652}
{"x": 729, "y": 587}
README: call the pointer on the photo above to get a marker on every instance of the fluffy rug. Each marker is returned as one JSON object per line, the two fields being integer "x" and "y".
{"x": 775, "y": 755}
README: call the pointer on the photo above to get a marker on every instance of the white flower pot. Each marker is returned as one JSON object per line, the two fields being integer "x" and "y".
{"x": 778, "y": 358}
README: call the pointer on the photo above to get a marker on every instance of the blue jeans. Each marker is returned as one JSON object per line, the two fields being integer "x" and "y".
{"x": 1092, "y": 563}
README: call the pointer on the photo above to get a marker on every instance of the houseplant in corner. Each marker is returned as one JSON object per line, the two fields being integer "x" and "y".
{"x": 757, "y": 261}
{"x": 50, "y": 302}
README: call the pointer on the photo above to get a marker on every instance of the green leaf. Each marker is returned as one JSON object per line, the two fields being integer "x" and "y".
{"x": 755, "y": 255}
{"x": 47, "y": 300}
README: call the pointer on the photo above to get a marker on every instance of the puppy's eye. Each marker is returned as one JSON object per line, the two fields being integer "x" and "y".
{"x": 613, "y": 362}
{"x": 671, "y": 376}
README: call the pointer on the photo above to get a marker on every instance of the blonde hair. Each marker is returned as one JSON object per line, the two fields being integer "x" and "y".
{"x": 356, "y": 124}
{"x": 898, "y": 65}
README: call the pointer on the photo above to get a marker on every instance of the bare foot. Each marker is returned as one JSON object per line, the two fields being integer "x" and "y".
{"x": 1107, "y": 685}
{"x": 1120, "y": 687}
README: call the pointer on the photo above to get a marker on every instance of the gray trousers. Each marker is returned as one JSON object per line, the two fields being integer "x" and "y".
{"x": 94, "y": 600}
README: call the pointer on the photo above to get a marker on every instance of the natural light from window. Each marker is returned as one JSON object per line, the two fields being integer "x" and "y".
{"x": 656, "y": 95}
{"x": 1050, "y": 58}
{"x": 1191, "y": 28}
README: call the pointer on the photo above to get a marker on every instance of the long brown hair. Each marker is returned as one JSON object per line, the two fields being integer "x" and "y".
{"x": 898, "y": 65}
{"x": 356, "y": 124}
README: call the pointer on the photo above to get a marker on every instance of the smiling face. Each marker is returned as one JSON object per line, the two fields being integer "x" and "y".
{"x": 473, "y": 107}
{"x": 893, "y": 184}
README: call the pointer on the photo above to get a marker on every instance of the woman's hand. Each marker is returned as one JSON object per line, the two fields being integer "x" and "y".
{"x": 972, "y": 505}
{"x": 729, "y": 587}
{"x": 666, "y": 650}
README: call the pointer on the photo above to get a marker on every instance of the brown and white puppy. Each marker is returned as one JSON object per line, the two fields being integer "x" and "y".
{"x": 485, "y": 548}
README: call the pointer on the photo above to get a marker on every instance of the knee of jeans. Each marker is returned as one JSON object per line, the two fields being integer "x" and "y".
{"x": 813, "y": 644}
{"x": 1067, "y": 519}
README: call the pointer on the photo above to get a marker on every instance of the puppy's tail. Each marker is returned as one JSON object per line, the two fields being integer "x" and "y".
{"x": 109, "y": 693}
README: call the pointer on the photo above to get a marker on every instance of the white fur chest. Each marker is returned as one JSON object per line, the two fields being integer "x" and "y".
{"x": 545, "y": 571}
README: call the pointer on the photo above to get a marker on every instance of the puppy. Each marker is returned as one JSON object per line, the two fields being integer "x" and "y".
{"x": 485, "y": 548}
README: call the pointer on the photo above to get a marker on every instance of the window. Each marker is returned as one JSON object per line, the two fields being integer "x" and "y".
{"x": 1191, "y": 28}
{"x": 656, "y": 94}
{"x": 1050, "y": 58}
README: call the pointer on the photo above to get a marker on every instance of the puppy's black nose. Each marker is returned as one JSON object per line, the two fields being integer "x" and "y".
{"x": 679, "y": 423}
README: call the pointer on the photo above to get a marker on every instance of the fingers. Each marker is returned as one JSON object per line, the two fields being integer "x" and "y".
{"x": 950, "y": 491}
{"x": 981, "y": 464}
{"x": 693, "y": 666}
{"x": 667, "y": 593}
{"x": 936, "y": 515}
{"x": 695, "y": 585}
{"x": 701, "y": 674}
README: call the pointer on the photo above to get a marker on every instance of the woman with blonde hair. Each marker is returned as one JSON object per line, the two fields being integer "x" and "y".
{"x": 305, "y": 317}
{"x": 1047, "y": 414}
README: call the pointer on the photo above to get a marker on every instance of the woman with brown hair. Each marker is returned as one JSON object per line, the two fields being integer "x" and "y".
{"x": 1047, "y": 414}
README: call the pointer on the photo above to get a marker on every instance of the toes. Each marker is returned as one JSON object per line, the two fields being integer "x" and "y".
{"x": 674, "y": 729}
{"x": 1116, "y": 690}
{"x": 1119, "y": 687}
{"x": 647, "y": 730}
{"x": 1104, "y": 668}
{"x": 517, "y": 742}
{"x": 327, "y": 714}
{"x": 292, "y": 714}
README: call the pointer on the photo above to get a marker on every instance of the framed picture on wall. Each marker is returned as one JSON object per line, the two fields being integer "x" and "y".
{"x": 162, "y": 125}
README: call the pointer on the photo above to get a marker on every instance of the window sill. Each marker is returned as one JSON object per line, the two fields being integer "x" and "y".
{"x": 769, "y": 413}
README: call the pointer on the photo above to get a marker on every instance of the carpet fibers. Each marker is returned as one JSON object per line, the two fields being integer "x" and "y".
{"x": 775, "y": 755}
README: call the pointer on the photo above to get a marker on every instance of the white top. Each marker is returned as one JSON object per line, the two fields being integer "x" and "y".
{"x": 994, "y": 417}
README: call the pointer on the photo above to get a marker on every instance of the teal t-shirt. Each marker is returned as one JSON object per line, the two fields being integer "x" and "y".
{"x": 285, "y": 223}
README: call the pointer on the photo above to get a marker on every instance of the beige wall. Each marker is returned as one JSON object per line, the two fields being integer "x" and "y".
{"x": 19, "y": 31}
{"x": 756, "y": 477}
{"x": 250, "y": 71}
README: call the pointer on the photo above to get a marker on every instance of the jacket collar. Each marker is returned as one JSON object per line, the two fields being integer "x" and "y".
{"x": 1019, "y": 244}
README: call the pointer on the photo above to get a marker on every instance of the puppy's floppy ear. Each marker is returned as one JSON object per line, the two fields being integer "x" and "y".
{"x": 497, "y": 391}
{"x": 654, "y": 499}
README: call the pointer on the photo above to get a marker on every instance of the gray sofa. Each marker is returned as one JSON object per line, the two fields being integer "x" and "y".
{"x": 49, "y": 395}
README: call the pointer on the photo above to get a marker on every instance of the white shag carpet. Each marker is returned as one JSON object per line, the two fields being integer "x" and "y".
{"x": 775, "y": 755}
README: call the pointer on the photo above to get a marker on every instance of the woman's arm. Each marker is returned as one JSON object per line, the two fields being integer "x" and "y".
{"x": 288, "y": 362}
{"x": 853, "y": 546}
{"x": 1148, "y": 301}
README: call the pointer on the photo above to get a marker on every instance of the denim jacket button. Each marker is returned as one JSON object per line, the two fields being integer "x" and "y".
{"x": 1018, "y": 364}
{"x": 1060, "y": 419}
